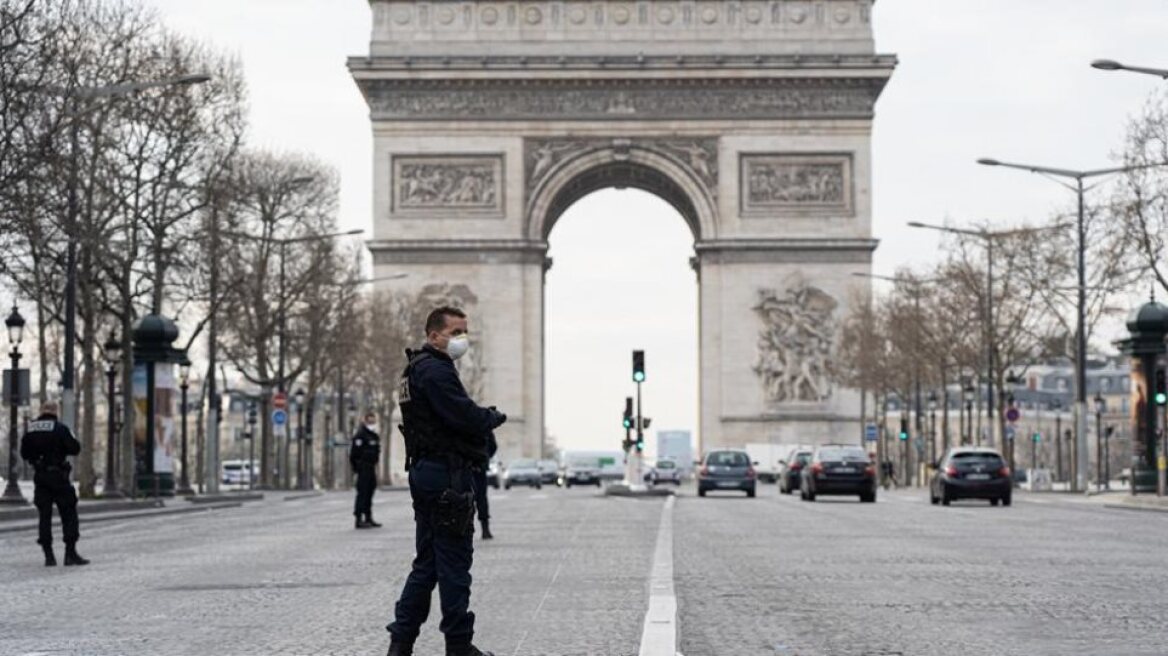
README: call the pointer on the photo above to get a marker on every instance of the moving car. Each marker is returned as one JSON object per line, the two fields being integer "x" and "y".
{"x": 837, "y": 469}
{"x": 493, "y": 474}
{"x": 727, "y": 470}
{"x": 581, "y": 471}
{"x": 791, "y": 469}
{"x": 549, "y": 472}
{"x": 523, "y": 472}
{"x": 971, "y": 473}
{"x": 664, "y": 471}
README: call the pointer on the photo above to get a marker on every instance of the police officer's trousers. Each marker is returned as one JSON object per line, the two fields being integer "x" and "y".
{"x": 480, "y": 492}
{"x": 366, "y": 486}
{"x": 53, "y": 487}
{"x": 442, "y": 560}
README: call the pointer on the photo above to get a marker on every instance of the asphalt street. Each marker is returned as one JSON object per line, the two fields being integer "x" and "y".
{"x": 569, "y": 574}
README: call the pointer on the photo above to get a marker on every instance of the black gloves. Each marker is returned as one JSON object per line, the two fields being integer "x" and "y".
{"x": 497, "y": 418}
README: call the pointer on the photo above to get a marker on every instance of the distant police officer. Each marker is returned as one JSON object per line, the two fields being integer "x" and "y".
{"x": 480, "y": 488}
{"x": 45, "y": 446}
{"x": 446, "y": 436}
{"x": 363, "y": 456}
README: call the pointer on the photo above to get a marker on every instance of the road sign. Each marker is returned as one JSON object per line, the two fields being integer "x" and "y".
{"x": 1012, "y": 415}
{"x": 280, "y": 401}
{"x": 279, "y": 417}
{"x": 870, "y": 433}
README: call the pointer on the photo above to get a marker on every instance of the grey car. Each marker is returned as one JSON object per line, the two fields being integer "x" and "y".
{"x": 727, "y": 470}
{"x": 523, "y": 472}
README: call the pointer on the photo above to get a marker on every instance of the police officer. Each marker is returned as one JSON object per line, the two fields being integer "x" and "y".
{"x": 45, "y": 446}
{"x": 480, "y": 488}
{"x": 446, "y": 436}
{"x": 363, "y": 456}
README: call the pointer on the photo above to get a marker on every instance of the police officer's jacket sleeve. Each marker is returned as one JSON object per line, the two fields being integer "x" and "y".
{"x": 451, "y": 404}
{"x": 72, "y": 446}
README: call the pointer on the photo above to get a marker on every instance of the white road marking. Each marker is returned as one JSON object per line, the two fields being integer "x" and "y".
{"x": 659, "y": 636}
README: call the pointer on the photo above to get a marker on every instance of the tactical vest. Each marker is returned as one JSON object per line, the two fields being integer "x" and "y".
{"x": 421, "y": 430}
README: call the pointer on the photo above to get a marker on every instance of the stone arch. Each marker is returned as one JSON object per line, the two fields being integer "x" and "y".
{"x": 595, "y": 167}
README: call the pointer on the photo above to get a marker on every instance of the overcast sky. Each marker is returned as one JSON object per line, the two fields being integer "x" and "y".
{"x": 1002, "y": 78}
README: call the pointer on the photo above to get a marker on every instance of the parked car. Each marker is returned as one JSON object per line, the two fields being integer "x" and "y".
{"x": 839, "y": 470}
{"x": 664, "y": 470}
{"x": 493, "y": 473}
{"x": 523, "y": 472}
{"x": 791, "y": 468}
{"x": 972, "y": 473}
{"x": 726, "y": 470}
{"x": 580, "y": 471}
{"x": 549, "y": 472}
{"x": 236, "y": 472}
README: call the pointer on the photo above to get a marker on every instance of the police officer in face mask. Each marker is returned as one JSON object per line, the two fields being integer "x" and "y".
{"x": 45, "y": 446}
{"x": 363, "y": 456}
{"x": 446, "y": 438}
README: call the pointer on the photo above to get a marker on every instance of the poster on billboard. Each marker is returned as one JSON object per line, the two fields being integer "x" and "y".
{"x": 165, "y": 394}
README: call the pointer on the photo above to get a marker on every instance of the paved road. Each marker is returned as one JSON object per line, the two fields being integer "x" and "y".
{"x": 835, "y": 577}
{"x": 568, "y": 577}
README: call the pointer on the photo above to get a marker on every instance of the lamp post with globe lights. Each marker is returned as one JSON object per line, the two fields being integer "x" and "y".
{"x": 15, "y": 325}
{"x": 184, "y": 384}
{"x": 112, "y": 349}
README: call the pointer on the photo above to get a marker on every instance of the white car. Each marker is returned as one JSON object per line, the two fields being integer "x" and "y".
{"x": 235, "y": 472}
{"x": 665, "y": 471}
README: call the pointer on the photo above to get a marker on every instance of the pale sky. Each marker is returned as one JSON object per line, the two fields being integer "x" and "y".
{"x": 1001, "y": 78}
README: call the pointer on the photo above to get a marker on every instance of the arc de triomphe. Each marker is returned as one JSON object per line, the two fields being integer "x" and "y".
{"x": 752, "y": 118}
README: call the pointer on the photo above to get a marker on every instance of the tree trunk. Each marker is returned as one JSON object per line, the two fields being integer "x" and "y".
{"x": 266, "y": 478}
{"x": 88, "y": 428}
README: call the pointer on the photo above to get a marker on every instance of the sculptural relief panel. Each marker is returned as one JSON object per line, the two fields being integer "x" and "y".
{"x": 426, "y": 184}
{"x": 795, "y": 344}
{"x": 796, "y": 185}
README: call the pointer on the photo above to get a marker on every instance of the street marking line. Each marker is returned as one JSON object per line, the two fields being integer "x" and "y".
{"x": 659, "y": 636}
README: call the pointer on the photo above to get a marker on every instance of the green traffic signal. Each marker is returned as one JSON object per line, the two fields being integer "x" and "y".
{"x": 1161, "y": 398}
{"x": 628, "y": 422}
{"x": 638, "y": 366}
{"x": 1037, "y": 437}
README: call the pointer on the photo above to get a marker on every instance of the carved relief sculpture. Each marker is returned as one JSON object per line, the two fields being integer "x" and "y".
{"x": 795, "y": 344}
{"x": 427, "y": 183}
{"x": 808, "y": 184}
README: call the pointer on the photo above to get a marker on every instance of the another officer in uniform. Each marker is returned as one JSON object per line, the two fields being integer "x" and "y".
{"x": 363, "y": 456}
{"x": 45, "y": 446}
{"x": 480, "y": 483}
{"x": 446, "y": 436}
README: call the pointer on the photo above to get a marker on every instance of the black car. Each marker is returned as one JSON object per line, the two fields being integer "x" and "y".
{"x": 791, "y": 469}
{"x": 972, "y": 473}
{"x": 727, "y": 470}
{"x": 549, "y": 472}
{"x": 839, "y": 470}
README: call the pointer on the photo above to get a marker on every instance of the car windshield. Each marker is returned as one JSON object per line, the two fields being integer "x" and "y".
{"x": 843, "y": 454}
{"x": 728, "y": 459}
{"x": 665, "y": 464}
{"x": 803, "y": 457}
{"x": 549, "y": 464}
{"x": 523, "y": 464}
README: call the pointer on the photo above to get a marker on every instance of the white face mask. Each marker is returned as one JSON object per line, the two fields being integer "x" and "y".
{"x": 371, "y": 427}
{"x": 458, "y": 346}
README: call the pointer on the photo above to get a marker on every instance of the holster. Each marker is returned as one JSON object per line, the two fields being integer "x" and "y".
{"x": 454, "y": 514}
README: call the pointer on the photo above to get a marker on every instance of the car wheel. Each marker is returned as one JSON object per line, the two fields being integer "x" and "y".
{"x": 868, "y": 498}
{"x": 597, "y": 483}
{"x": 1006, "y": 500}
{"x": 539, "y": 486}
{"x": 945, "y": 498}
{"x": 810, "y": 496}
{"x": 507, "y": 486}
{"x": 568, "y": 485}
{"x": 994, "y": 502}
{"x": 701, "y": 492}
{"x": 750, "y": 493}
{"x": 933, "y": 498}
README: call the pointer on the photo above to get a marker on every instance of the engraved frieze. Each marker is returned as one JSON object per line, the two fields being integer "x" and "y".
{"x": 777, "y": 184}
{"x": 794, "y": 360}
{"x": 429, "y": 183}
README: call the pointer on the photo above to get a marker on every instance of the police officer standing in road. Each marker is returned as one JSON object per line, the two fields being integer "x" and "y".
{"x": 363, "y": 456}
{"x": 446, "y": 436}
{"x": 480, "y": 487}
{"x": 46, "y": 446}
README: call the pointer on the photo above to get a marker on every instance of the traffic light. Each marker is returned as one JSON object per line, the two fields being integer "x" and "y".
{"x": 1161, "y": 388}
{"x": 1036, "y": 438}
{"x": 638, "y": 366}
{"x": 628, "y": 416}
{"x": 645, "y": 422}
{"x": 903, "y": 430}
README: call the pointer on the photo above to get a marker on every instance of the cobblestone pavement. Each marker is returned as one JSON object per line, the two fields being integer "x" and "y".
{"x": 776, "y": 575}
{"x": 567, "y": 576}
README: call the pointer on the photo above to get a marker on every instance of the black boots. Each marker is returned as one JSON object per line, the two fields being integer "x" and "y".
{"x": 369, "y": 521}
{"x": 50, "y": 557}
{"x": 360, "y": 522}
{"x": 400, "y": 648}
{"x": 465, "y": 650}
{"x": 487, "y": 530}
{"x": 72, "y": 557}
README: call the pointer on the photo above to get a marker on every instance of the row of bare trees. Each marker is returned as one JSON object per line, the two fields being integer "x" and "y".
{"x": 116, "y": 167}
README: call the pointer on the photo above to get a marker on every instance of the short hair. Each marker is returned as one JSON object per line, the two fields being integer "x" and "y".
{"x": 436, "y": 322}
{"x": 50, "y": 408}
{"x": 368, "y": 414}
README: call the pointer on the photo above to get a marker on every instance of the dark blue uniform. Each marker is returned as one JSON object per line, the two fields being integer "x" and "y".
{"x": 46, "y": 446}
{"x": 363, "y": 456}
{"x": 446, "y": 435}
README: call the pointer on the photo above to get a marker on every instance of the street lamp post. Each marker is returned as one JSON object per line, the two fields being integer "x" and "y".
{"x": 1080, "y": 413}
{"x": 1112, "y": 65}
{"x": 1058, "y": 439}
{"x": 113, "y": 347}
{"x": 933, "y": 427}
{"x": 251, "y": 463}
{"x": 1100, "y": 407}
{"x": 300, "y": 460}
{"x": 184, "y": 384}
{"x": 15, "y": 325}
{"x": 967, "y": 392}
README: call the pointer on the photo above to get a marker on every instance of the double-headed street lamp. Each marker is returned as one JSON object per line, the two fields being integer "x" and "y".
{"x": 301, "y": 459}
{"x": 1112, "y": 65}
{"x": 112, "y": 349}
{"x": 15, "y": 325}
{"x": 184, "y": 384}
{"x": 76, "y": 95}
{"x": 1081, "y": 310}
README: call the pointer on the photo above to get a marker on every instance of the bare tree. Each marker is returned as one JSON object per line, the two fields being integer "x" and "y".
{"x": 1141, "y": 202}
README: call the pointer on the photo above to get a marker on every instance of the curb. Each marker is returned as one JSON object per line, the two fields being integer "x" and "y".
{"x": 220, "y": 498}
{"x": 1136, "y": 507}
{"x": 305, "y": 495}
{"x": 109, "y": 517}
{"x": 91, "y": 508}
{"x": 622, "y": 490}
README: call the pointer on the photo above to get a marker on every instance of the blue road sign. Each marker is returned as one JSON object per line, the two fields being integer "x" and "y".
{"x": 279, "y": 417}
{"x": 870, "y": 432}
